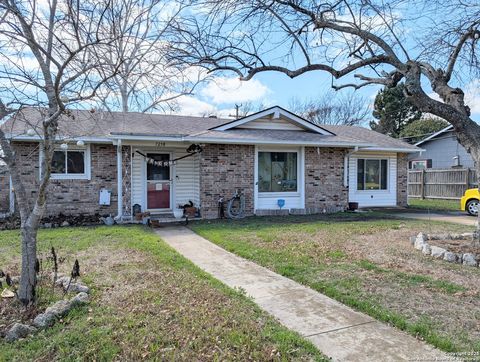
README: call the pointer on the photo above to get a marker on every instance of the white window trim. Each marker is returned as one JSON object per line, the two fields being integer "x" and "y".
{"x": 297, "y": 192}
{"x": 87, "y": 175}
{"x": 300, "y": 194}
{"x": 418, "y": 161}
{"x": 388, "y": 173}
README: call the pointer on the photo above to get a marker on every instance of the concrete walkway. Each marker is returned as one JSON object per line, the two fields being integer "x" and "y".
{"x": 336, "y": 330}
{"x": 461, "y": 219}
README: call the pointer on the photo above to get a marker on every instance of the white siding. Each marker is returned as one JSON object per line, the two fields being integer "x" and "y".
{"x": 266, "y": 123}
{"x": 138, "y": 180}
{"x": 185, "y": 177}
{"x": 370, "y": 198}
{"x": 187, "y": 180}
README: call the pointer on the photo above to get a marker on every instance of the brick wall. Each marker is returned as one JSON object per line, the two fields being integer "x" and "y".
{"x": 4, "y": 190}
{"x": 74, "y": 197}
{"x": 324, "y": 186}
{"x": 402, "y": 179}
{"x": 223, "y": 169}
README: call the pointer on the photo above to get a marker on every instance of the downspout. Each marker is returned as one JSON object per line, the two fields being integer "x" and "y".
{"x": 119, "y": 216}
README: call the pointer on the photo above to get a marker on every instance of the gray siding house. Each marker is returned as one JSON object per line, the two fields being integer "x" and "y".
{"x": 441, "y": 150}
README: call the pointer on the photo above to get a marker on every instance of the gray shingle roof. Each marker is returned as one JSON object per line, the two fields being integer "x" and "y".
{"x": 98, "y": 124}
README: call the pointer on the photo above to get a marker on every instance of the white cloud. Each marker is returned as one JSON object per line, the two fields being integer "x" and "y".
{"x": 191, "y": 106}
{"x": 472, "y": 96}
{"x": 231, "y": 90}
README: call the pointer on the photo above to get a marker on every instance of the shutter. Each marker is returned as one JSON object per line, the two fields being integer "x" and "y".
{"x": 429, "y": 163}
{"x": 409, "y": 165}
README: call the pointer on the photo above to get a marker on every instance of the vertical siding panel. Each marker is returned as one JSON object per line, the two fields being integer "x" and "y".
{"x": 138, "y": 182}
{"x": 380, "y": 197}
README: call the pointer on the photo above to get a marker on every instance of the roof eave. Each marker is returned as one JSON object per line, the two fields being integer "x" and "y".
{"x": 37, "y": 138}
{"x": 275, "y": 142}
{"x": 392, "y": 149}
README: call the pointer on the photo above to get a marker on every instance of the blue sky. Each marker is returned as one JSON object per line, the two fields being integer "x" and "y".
{"x": 221, "y": 94}
{"x": 273, "y": 88}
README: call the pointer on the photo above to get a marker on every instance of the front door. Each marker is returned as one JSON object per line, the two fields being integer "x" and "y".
{"x": 158, "y": 182}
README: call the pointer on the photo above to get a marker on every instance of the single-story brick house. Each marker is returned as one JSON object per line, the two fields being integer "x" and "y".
{"x": 138, "y": 160}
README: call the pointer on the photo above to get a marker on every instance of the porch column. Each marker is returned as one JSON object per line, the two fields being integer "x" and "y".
{"x": 119, "y": 181}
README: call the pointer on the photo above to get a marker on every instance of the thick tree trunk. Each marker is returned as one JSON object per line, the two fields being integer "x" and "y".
{"x": 28, "y": 281}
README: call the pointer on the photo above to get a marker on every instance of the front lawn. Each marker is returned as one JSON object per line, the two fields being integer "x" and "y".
{"x": 367, "y": 262}
{"x": 434, "y": 204}
{"x": 148, "y": 302}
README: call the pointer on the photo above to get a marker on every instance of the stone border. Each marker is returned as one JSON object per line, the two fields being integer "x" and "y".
{"x": 420, "y": 243}
{"x": 52, "y": 313}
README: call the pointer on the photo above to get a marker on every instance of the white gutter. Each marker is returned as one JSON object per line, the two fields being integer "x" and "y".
{"x": 387, "y": 149}
{"x": 282, "y": 142}
{"x": 58, "y": 138}
{"x": 119, "y": 182}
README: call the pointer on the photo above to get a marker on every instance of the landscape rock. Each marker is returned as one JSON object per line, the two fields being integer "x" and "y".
{"x": 459, "y": 257}
{"x": 44, "y": 320}
{"x": 427, "y": 250}
{"x": 469, "y": 259}
{"x": 80, "y": 299}
{"x": 438, "y": 252}
{"x": 47, "y": 225}
{"x": 77, "y": 288}
{"x": 60, "y": 308}
{"x": 52, "y": 313}
{"x": 18, "y": 331}
{"x": 65, "y": 223}
{"x": 62, "y": 281}
{"x": 450, "y": 257}
{"x": 6, "y": 293}
{"x": 420, "y": 241}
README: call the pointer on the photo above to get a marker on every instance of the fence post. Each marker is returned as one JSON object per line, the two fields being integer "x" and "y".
{"x": 422, "y": 185}
{"x": 467, "y": 179}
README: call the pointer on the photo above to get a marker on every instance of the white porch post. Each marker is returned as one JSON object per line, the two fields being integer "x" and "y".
{"x": 119, "y": 181}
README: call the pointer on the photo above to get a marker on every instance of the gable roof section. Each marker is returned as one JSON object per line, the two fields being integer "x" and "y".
{"x": 276, "y": 112}
{"x": 446, "y": 129}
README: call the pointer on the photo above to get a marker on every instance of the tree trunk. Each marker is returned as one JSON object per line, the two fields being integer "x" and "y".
{"x": 28, "y": 281}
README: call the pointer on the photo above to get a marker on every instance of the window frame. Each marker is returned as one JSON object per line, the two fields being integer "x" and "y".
{"x": 267, "y": 194}
{"x": 419, "y": 161}
{"x": 387, "y": 181}
{"x": 86, "y": 175}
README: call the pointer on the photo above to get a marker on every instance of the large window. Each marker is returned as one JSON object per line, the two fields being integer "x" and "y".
{"x": 372, "y": 174}
{"x": 277, "y": 171}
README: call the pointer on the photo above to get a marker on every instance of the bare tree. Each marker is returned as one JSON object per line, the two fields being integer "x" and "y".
{"x": 430, "y": 45}
{"x": 146, "y": 80}
{"x": 49, "y": 56}
{"x": 348, "y": 109}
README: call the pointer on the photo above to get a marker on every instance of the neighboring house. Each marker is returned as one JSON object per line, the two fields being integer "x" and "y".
{"x": 441, "y": 150}
{"x": 270, "y": 155}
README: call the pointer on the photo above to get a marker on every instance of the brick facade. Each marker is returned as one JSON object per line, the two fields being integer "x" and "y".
{"x": 402, "y": 179}
{"x": 4, "y": 190}
{"x": 75, "y": 197}
{"x": 223, "y": 169}
{"x": 324, "y": 184}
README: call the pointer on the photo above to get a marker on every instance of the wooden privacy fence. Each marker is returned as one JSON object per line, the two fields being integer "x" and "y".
{"x": 440, "y": 184}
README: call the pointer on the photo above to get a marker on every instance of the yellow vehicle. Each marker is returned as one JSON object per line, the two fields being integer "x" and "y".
{"x": 469, "y": 201}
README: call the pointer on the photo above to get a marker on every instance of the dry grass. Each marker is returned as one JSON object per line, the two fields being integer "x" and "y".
{"x": 370, "y": 265}
{"x": 149, "y": 303}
